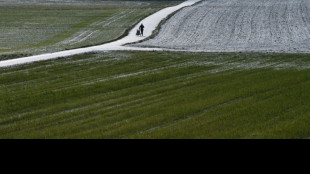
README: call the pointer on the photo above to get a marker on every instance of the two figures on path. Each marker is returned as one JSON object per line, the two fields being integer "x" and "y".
{"x": 140, "y": 30}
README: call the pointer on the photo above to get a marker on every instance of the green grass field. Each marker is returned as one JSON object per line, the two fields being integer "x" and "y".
{"x": 158, "y": 95}
{"x": 134, "y": 95}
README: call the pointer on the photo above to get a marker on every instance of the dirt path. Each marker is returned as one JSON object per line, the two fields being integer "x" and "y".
{"x": 150, "y": 24}
{"x": 281, "y": 26}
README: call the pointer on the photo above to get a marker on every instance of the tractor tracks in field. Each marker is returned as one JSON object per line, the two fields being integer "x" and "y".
{"x": 95, "y": 28}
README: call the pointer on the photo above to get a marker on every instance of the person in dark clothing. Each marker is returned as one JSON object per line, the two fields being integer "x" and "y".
{"x": 141, "y": 29}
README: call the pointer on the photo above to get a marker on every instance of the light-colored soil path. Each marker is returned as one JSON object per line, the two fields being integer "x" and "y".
{"x": 150, "y": 24}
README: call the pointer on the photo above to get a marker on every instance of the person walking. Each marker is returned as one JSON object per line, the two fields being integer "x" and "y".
{"x": 141, "y": 29}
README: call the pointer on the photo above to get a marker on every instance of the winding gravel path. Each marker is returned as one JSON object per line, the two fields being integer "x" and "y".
{"x": 151, "y": 22}
{"x": 214, "y": 26}
{"x": 238, "y": 25}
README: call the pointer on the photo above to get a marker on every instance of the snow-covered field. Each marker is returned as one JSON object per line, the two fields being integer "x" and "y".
{"x": 238, "y": 25}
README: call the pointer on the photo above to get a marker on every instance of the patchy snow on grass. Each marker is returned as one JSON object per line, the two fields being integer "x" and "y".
{"x": 280, "y": 26}
{"x": 150, "y": 22}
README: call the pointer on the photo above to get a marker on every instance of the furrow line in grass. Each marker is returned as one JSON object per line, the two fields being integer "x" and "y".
{"x": 297, "y": 117}
{"x": 275, "y": 93}
{"x": 104, "y": 110}
{"x": 204, "y": 110}
{"x": 139, "y": 110}
{"x": 110, "y": 115}
{"x": 274, "y": 96}
{"x": 163, "y": 82}
{"x": 70, "y": 85}
{"x": 77, "y": 83}
{"x": 118, "y": 16}
{"x": 275, "y": 118}
{"x": 73, "y": 118}
{"x": 251, "y": 95}
{"x": 161, "y": 86}
{"x": 138, "y": 98}
{"x": 42, "y": 65}
{"x": 269, "y": 116}
{"x": 56, "y": 69}
{"x": 110, "y": 18}
{"x": 144, "y": 71}
{"x": 76, "y": 87}
{"x": 41, "y": 78}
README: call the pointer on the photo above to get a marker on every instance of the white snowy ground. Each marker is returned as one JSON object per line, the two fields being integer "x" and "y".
{"x": 150, "y": 24}
{"x": 238, "y": 25}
